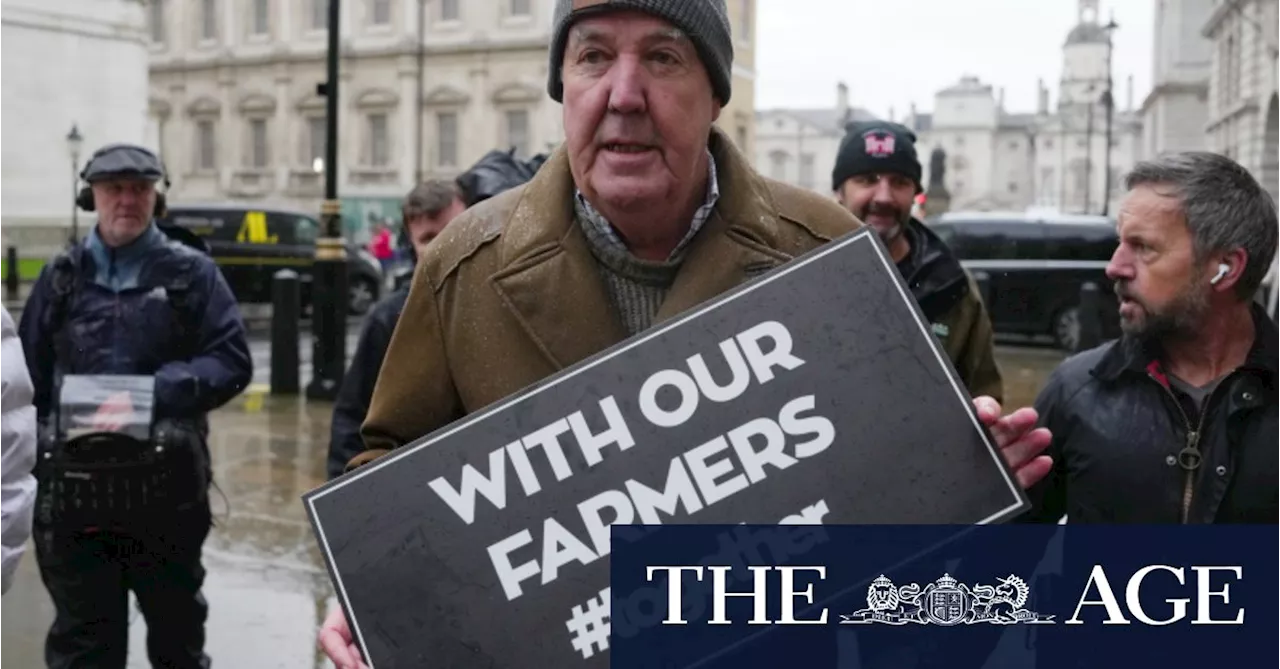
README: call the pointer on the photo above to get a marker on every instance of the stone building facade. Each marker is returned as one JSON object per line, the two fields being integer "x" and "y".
{"x": 1176, "y": 110}
{"x": 799, "y": 146}
{"x": 426, "y": 88}
{"x": 1055, "y": 157}
{"x": 1243, "y": 119}
{"x": 51, "y": 85}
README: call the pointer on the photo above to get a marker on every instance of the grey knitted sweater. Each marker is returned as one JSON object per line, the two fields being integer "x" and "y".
{"x": 638, "y": 287}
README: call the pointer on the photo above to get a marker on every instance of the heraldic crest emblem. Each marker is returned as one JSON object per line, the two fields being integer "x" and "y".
{"x": 947, "y": 602}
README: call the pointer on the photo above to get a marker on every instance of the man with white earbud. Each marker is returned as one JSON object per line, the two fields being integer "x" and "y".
{"x": 1175, "y": 422}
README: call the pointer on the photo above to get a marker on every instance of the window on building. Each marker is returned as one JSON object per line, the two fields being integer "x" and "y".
{"x": 447, "y": 139}
{"x": 261, "y": 17}
{"x": 1047, "y": 182}
{"x": 259, "y": 147}
{"x": 518, "y": 131}
{"x": 208, "y": 19}
{"x": 380, "y": 13}
{"x": 519, "y": 7}
{"x": 744, "y": 20}
{"x": 778, "y": 165}
{"x": 206, "y": 145}
{"x": 316, "y": 136}
{"x": 448, "y": 10}
{"x": 379, "y": 141}
{"x": 806, "y": 170}
{"x": 155, "y": 21}
{"x": 319, "y": 14}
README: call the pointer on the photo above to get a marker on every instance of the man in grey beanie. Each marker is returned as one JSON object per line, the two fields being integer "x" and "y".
{"x": 647, "y": 211}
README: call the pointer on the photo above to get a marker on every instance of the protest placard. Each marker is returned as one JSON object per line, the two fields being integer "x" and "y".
{"x": 813, "y": 394}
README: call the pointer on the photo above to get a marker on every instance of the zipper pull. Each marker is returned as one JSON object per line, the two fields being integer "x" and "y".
{"x": 1189, "y": 457}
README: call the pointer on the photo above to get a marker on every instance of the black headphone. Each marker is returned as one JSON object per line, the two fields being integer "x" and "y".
{"x": 84, "y": 199}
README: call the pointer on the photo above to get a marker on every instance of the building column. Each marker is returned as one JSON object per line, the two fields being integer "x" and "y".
{"x": 284, "y": 29}
{"x": 408, "y": 131}
{"x": 228, "y": 139}
{"x": 285, "y": 130}
{"x": 178, "y": 139}
{"x": 483, "y": 131}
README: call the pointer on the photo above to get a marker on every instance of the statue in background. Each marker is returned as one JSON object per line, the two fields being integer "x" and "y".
{"x": 937, "y": 199}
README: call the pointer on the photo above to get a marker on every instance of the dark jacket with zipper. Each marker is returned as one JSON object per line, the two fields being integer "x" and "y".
{"x": 1128, "y": 449}
{"x": 950, "y": 299}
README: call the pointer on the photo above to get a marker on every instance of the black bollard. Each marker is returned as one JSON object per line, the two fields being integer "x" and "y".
{"x": 12, "y": 280}
{"x": 1090, "y": 317}
{"x": 286, "y": 318}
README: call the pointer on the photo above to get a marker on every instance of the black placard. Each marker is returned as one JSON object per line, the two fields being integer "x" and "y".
{"x": 822, "y": 396}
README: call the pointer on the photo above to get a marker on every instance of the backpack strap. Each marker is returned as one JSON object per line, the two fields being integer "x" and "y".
{"x": 183, "y": 298}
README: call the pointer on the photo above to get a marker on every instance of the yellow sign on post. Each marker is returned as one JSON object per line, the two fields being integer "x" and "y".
{"x": 254, "y": 229}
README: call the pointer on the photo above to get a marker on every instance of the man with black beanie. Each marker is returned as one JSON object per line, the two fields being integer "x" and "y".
{"x": 876, "y": 177}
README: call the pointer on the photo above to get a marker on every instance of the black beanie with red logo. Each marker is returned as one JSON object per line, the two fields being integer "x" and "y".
{"x": 876, "y": 147}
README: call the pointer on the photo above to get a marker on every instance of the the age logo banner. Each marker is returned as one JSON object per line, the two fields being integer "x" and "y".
{"x": 1032, "y": 596}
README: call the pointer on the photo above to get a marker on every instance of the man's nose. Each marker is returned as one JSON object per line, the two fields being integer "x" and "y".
{"x": 1120, "y": 268}
{"x": 883, "y": 192}
{"x": 627, "y": 90}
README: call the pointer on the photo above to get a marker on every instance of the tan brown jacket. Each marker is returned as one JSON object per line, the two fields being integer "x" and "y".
{"x": 509, "y": 294}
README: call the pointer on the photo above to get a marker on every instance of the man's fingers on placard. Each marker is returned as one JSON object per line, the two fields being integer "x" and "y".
{"x": 1035, "y": 470}
{"x": 1015, "y": 424}
{"x": 355, "y": 653}
{"x": 1022, "y": 450}
{"x": 988, "y": 409}
{"x": 337, "y": 648}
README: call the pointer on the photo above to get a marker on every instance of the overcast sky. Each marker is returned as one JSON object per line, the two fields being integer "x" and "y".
{"x": 895, "y": 52}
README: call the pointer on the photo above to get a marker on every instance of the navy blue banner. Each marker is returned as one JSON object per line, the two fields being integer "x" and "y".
{"x": 902, "y": 597}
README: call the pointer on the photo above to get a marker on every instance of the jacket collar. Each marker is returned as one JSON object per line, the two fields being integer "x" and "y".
{"x": 1129, "y": 355}
{"x": 932, "y": 272}
{"x": 548, "y": 278}
{"x": 120, "y": 268}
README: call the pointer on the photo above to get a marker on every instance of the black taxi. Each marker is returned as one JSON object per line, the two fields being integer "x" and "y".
{"x": 250, "y": 243}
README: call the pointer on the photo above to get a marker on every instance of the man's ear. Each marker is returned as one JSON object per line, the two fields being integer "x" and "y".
{"x": 715, "y": 111}
{"x": 1235, "y": 262}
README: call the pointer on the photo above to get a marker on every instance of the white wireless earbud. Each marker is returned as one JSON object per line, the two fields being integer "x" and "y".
{"x": 1223, "y": 268}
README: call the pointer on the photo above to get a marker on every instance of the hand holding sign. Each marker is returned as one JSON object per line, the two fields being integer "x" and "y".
{"x": 774, "y": 403}
{"x": 1019, "y": 440}
{"x": 336, "y": 642}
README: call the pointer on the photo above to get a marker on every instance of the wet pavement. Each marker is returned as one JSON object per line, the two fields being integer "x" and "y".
{"x": 267, "y": 587}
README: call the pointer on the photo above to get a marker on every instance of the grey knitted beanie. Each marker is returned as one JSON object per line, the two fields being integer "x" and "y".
{"x": 706, "y": 22}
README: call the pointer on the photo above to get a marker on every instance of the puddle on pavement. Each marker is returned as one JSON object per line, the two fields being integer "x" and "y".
{"x": 267, "y": 587}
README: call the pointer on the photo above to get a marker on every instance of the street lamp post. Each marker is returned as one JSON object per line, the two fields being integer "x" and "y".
{"x": 74, "y": 142}
{"x": 329, "y": 276}
{"x": 1108, "y": 99}
{"x": 1088, "y": 155}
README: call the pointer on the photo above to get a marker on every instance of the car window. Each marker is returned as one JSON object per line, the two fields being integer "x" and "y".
{"x": 1086, "y": 242}
{"x": 211, "y": 225}
{"x": 999, "y": 240}
{"x": 947, "y": 233}
{"x": 306, "y": 230}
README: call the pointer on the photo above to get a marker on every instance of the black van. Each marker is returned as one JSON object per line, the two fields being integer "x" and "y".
{"x": 251, "y": 243}
{"x": 1036, "y": 264}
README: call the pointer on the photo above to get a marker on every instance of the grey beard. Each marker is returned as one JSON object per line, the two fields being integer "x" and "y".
{"x": 1180, "y": 319}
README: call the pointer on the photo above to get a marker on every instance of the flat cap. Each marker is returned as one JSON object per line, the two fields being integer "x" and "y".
{"x": 123, "y": 160}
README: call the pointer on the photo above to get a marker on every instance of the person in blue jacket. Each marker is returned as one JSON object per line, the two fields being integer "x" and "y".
{"x": 128, "y": 300}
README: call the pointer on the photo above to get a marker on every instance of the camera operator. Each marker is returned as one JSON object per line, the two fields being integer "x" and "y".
{"x": 128, "y": 303}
